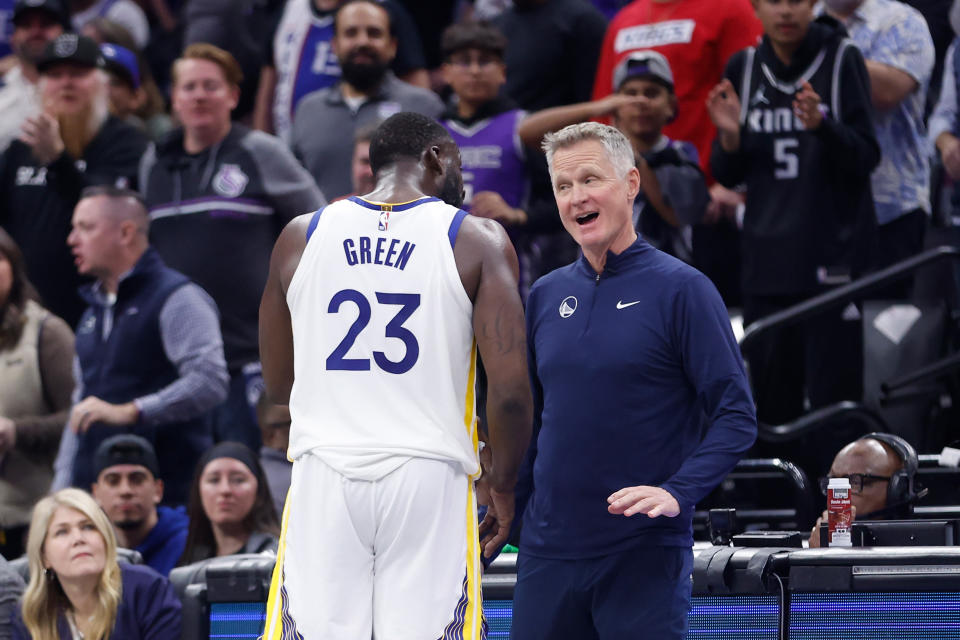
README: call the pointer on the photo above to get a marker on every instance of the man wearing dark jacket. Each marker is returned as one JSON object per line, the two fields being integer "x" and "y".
{"x": 218, "y": 195}
{"x": 71, "y": 144}
{"x": 641, "y": 407}
{"x": 149, "y": 353}
{"x": 794, "y": 122}
{"x": 129, "y": 490}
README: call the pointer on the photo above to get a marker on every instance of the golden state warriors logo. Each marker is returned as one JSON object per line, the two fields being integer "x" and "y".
{"x": 568, "y": 306}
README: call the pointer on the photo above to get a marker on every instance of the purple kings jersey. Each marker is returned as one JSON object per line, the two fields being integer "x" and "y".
{"x": 304, "y": 60}
{"x": 492, "y": 156}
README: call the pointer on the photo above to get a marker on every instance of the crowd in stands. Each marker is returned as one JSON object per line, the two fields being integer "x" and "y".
{"x": 152, "y": 150}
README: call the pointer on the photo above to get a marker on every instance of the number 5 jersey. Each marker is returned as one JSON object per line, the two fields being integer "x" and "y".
{"x": 809, "y": 218}
{"x": 384, "y": 355}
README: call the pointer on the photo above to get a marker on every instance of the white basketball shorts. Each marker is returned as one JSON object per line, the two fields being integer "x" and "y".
{"x": 393, "y": 559}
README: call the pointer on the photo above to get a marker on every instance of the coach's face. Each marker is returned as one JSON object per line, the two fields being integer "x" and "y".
{"x": 595, "y": 203}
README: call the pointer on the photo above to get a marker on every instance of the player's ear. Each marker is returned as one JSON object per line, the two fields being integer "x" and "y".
{"x": 431, "y": 160}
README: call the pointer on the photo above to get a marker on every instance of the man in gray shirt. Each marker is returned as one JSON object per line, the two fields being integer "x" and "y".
{"x": 325, "y": 120}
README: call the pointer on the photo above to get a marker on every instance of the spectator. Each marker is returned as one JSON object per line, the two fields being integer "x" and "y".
{"x": 231, "y": 510}
{"x": 34, "y": 25}
{"x": 11, "y": 588}
{"x": 216, "y": 191}
{"x": 150, "y": 107}
{"x": 274, "y": 422}
{"x": 944, "y": 130}
{"x": 36, "y": 348}
{"x": 361, "y": 173}
{"x": 126, "y": 96}
{"x": 77, "y": 588}
{"x": 697, "y": 38}
{"x": 896, "y": 43}
{"x": 70, "y": 144}
{"x": 882, "y": 469}
{"x": 673, "y": 194}
{"x": 552, "y": 51}
{"x": 936, "y": 13}
{"x": 325, "y": 121}
{"x": 551, "y": 56}
{"x": 485, "y": 127}
{"x": 288, "y": 74}
{"x": 124, "y": 12}
{"x": 149, "y": 352}
{"x": 129, "y": 490}
{"x": 6, "y": 19}
{"x": 803, "y": 143}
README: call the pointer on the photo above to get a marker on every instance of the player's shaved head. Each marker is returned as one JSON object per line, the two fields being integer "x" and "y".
{"x": 405, "y": 135}
{"x": 121, "y": 205}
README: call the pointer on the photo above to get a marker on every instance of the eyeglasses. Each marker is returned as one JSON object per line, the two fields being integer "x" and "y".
{"x": 857, "y": 481}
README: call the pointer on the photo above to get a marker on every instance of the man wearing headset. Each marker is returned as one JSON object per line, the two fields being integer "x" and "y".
{"x": 882, "y": 468}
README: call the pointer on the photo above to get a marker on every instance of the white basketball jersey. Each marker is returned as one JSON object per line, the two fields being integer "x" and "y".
{"x": 384, "y": 354}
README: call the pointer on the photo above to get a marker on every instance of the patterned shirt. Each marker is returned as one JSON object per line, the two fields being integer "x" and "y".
{"x": 896, "y": 35}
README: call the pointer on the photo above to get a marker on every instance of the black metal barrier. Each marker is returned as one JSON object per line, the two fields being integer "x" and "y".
{"x": 906, "y": 593}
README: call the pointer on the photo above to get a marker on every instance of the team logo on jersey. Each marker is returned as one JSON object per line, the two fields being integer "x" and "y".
{"x": 759, "y": 97}
{"x": 384, "y": 220}
{"x": 230, "y": 181}
{"x": 568, "y": 306}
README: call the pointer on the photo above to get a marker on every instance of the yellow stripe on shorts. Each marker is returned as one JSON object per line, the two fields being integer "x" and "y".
{"x": 279, "y": 624}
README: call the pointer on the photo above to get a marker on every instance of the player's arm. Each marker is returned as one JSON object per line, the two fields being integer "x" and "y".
{"x": 501, "y": 339}
{"x": 489, "y": 270}
{"x": 276, "y": 331}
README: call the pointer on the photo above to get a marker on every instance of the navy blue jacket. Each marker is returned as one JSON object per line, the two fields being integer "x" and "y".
{"x": 164, "y": 545}
{"x": 637, "y": 380}
{"x": 149, "y": 609}
{"x": 132, "y": 363}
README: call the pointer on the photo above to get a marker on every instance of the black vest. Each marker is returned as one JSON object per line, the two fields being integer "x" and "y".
{"x": 132, "y": 363}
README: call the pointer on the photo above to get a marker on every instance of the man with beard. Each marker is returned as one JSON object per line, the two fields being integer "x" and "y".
{"x": 129, "y": 491}
{"x": 299, "y": 59}
{"x": 35, "y": 23}
{"x": 70, "y": 144}
{"x": 395, "y": 465}
{"x": 325, "y": 121}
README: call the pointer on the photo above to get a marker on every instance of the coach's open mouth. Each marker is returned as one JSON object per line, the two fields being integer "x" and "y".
{"x": 587, "y": 217}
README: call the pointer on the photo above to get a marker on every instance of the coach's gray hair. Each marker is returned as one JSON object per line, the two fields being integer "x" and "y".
{"x": 618, "y": 148}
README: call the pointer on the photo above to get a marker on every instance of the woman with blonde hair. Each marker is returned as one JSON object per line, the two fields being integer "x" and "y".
{"x": 78, "y": 591}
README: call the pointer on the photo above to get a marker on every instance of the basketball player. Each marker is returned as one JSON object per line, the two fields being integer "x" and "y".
{"x": 368, "y": 326}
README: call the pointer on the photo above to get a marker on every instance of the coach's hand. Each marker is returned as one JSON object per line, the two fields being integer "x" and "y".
{"x": 495, "y": 527}
{"x": 652, "y": 501}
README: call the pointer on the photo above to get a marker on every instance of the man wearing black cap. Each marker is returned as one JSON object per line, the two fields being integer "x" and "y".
{"x": 70, "y": 144}
{"x": 35, "y": 24}
{"x": 129, "y": 491}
